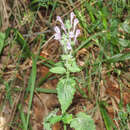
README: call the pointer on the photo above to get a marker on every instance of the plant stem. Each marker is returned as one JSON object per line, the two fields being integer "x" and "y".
{"x": 68, "y": 72}
{"x": 65, "y": 127}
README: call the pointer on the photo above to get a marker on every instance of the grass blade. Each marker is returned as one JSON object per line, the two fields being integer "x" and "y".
{"x": 23, "y": 44}
{"x": 2, "y": 39}
{"x": 107, "y": 120}
{"x": 42, "y": 80}
{"x": 86, "y": 42}
{"x": 22, "y": 116}
{"x": 43, "y": 90}
{"x": 119, "y": 57}
{"x": 31, "y": 86}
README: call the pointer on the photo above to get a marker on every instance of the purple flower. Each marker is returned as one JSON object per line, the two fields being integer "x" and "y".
{"x": 76, "y": 21}
{"x": 66, "y": 38}
{"x": 62, "y": 24}
{"x": 57, "y": 34}
{"x": 72, "y": 15}
{"x": 59, "y": 19}
{"x": 57, "y": 37}
{"x": 69, "y": 46}
{"x": 76, "y": 35}
{"x": 57, "y": 30}
{"x": 71, "y": 34}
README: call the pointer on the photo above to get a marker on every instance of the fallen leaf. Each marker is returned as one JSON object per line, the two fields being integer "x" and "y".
{"x": 126, "y": 97}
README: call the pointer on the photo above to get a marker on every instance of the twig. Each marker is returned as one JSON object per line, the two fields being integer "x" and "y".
{"x": 36, "y": 33}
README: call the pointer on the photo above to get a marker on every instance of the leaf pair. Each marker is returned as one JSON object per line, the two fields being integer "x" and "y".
{"x": 72, "y": 67}
{"x": 81, "y": 122}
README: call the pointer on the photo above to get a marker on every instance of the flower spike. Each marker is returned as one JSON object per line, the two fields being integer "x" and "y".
{"x": 67, "y": 37}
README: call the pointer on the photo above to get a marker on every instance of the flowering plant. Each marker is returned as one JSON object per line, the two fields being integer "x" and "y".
{"x": 70, "y": 33}
{"x": 67, "y": 36}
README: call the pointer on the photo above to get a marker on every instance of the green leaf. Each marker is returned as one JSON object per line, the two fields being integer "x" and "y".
{"x": 2, "y": 38}
{"x": 71, "y": 65}
{"x": 20, "y": 39}
{"x": 128, "y": 108}
{"x": 66, "y": 57}
{"x": 65, "y": 90}
{"x": 74, "y": 67}
{"x": 55, "y": 119}
{"x": 58, "y": 70}
{"x": 126, "y": 26}
{"x": 104, "y": 21}
{"x": 119, "y": 57}
{"x": 123, "y": 42}
{"x": 83, "y": 122}
{"x": 47, "y": 126}
{"x": 59, "y": 64}
{"x": 48, "y": 121}
{"x": 67, "y": 118}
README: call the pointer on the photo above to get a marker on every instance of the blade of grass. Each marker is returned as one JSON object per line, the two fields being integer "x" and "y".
{"x": 81, "y": 92}
{"x": 22, "y": 43}
{"x": 8, "y": 93}
{"x": 104, "y": 21}
{"x": 22, "y": 116}
{"x": 46, "y": 60}
{"x": 107, "y": 120}
{"x": 2, "y": 39}
{"x": 91, "y": 11}
{"x": 119, "y": 57}
{"x": 47, "y": 65}
{"x": 53, "y": 9}
{"x": 43, "y": 90}
{"x": 42, "y": 80}
{"x": 86, "y": 42}
{"x": 31, "y": 86}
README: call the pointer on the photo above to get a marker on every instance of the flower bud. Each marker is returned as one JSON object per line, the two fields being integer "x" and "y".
{"x": 76, "y": 21}
{"x": 72, "y": 15}
{"x": 69, "y": 46}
